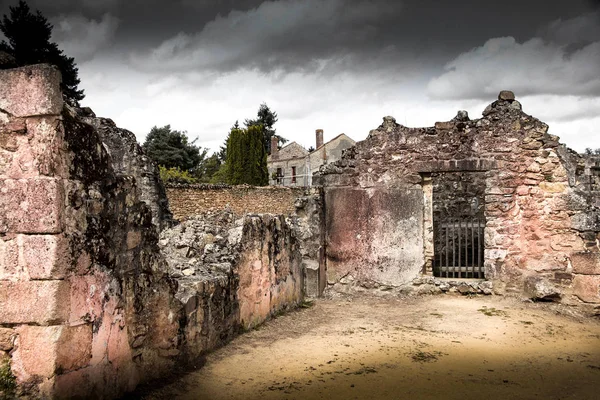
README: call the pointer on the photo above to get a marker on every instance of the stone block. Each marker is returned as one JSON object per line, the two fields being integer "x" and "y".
{"x": 586, "y": 263}
{"x": 539, "y": 288}
{"x": 74, "y": 350}
{"x": 566, "y": 241}
{"x": 46, "y": 256}
{"x": 47, "y": 350}
{"x": 47, "y": 147}
{"x": 552, "y": 187}
{"x": 34, "y": 302}
{"x": 133, "y": 239}
{"x": 9, "y": 259}
{"x": 31, "y": 90}
{"x": 506, "y": 95}
{"x": 31, "y": 206}
{"x": 587, "y": 288}
{"x": 7, "y": 336}
{"x": 586, "y": 221}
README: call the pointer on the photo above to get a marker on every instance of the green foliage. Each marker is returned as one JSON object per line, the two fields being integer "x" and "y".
{"x": 208, "y": 168}
{"x": 220, "y": 176}
{"x": 8, "y": 383}
{"x": 175, "y": 175}
{"x": 246, "y": 157}
{"x": 265, "y": 121}
{"x": 222, "y": 154}
{"x": 171, "y": 149}
{"x": 29, "y": 43}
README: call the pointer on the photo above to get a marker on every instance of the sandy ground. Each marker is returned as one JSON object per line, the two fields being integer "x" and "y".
{"x": 440, "y": 347}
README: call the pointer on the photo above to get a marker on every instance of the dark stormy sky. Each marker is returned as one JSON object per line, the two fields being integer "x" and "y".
{"x": 339, "y": 65}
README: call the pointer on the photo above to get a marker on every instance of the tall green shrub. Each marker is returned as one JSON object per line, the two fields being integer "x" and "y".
{"x": 246, "y": 157}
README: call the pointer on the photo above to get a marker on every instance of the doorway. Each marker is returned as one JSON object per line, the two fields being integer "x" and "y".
{"x": 458, "y": 224}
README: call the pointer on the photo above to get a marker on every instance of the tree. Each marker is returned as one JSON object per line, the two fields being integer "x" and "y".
{"x": 222, "y": 154}
{"x": 29, "y": 43}
{"x": 265, "y": 120}
{"x": 171, "y": 149}
{"x": 208, "y": 168}
{"x": 246, "y": 157}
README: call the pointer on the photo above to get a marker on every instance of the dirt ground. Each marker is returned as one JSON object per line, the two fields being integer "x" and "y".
{"x": 440, "y": 347}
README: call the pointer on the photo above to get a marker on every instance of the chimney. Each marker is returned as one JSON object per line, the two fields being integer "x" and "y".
{"x": 274, "y": 145}
{"x": 319, "y": 138}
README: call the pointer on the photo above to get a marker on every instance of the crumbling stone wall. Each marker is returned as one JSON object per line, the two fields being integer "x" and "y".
{"x": 541, "y": 225}
{"x": 89, "y": 308}
{"x": 308, "y": 225}
{"x": 249, "y": 266}
{"x": 190, "y": 200}
{"x": 86, "y": 301}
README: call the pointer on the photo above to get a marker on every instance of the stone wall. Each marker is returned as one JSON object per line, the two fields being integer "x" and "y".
{"x": 189, "y": 200}
{"x": 541, "y": 211}
{"x": 308, "y": 227}
{"x": 89, "y": 306}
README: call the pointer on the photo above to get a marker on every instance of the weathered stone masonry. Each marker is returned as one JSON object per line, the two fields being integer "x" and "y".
{"x": 541, "y": 204}
{"x": 88, "y": 306}
{"x": 190, "y": 200}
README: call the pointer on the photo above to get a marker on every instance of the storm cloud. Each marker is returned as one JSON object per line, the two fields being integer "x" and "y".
{"x": 339, "y": 65}
{"x": 564, "y": 61}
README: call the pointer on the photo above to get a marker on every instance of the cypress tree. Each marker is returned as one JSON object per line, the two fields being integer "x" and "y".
{"x": 246, "y": 157}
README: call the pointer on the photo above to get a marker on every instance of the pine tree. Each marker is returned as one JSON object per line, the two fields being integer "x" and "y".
{"x": 265, "y": 120}
{"x": 29, "y": 43}
{"x": 171, "y": 149}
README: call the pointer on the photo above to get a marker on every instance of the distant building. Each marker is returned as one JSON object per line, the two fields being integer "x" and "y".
{"x": 293, "y": 165}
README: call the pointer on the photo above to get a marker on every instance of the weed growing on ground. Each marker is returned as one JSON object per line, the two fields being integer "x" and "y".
{"x": 307, "y": 304}
{"x": 492, "y": 312}
{"x": 425, "y": 356}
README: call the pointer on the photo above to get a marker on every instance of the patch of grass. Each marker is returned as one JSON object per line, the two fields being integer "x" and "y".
{"x": 8, "y": 383}
{"x": 436, "y": 314}
{"x": 492, "y": 312}
{"x": 425, "y": 356}
{"x": 307, "y": 304}
{"x": 364, "y": 370}
{"x": 526, "y": 322}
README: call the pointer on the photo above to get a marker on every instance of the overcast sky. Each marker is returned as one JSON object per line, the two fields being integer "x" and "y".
{"x": 338, "y": 65}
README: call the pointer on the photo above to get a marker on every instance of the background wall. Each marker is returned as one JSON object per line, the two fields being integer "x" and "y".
{"x": 189, "y": 200}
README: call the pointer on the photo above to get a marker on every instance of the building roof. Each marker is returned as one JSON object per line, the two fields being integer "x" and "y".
{"x": 293, "y": 150}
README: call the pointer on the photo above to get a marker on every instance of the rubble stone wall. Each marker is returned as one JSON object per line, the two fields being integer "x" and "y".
{"x": 189, "y": 200}
{"x": 308, "y": 227}
{"x": 542, "y": 220}
{"x": 89, "y": 307}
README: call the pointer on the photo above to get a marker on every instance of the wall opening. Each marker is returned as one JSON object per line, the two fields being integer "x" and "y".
{"x": 458, "y": 224}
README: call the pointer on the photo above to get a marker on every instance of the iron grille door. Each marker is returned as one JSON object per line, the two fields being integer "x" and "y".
{"x": 458, "y": 247}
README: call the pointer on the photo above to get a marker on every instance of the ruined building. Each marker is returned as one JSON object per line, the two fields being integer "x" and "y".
{"x": 497, "y": 200}
{"x": 102, "y": 290}
{"x": 293, "y": 165}
{"x": 91, "y": 302}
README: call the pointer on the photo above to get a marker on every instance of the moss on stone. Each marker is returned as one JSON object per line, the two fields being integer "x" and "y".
{"x": 8, "y": 383}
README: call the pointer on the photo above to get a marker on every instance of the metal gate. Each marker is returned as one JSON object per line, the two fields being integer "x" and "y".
{"x": 458, "y": 247}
